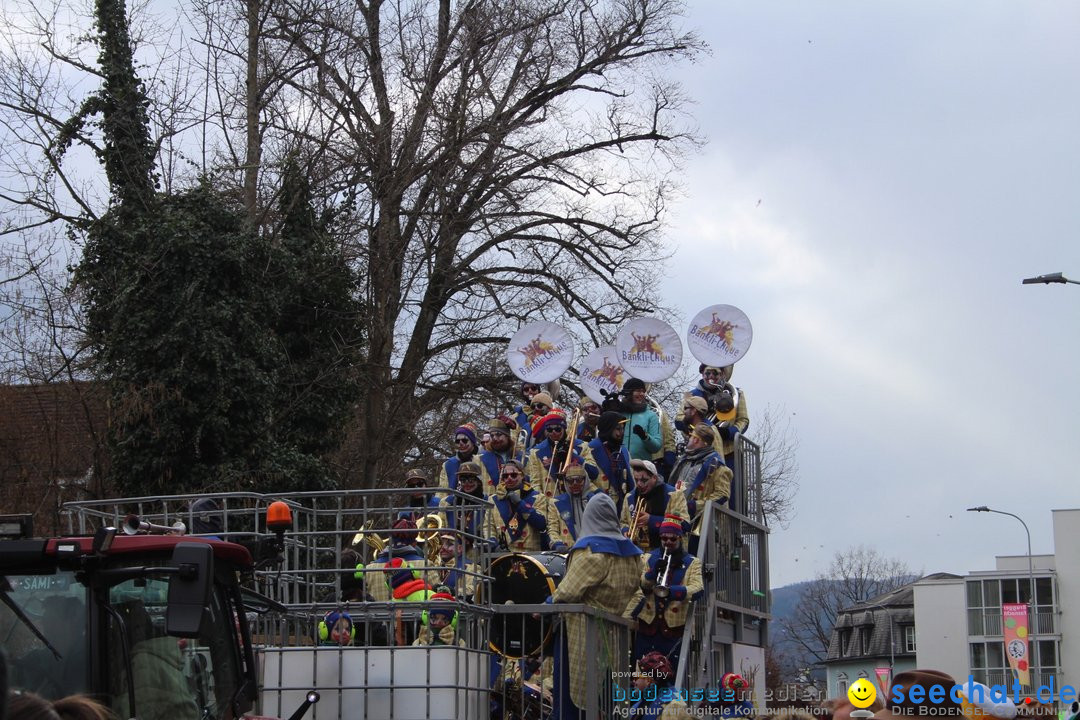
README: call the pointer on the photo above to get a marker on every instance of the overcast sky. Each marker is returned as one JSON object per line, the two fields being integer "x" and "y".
{"x": 879, "y": 177}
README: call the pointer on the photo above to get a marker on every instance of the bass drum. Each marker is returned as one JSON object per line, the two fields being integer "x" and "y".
{"x": 523, "y": 579}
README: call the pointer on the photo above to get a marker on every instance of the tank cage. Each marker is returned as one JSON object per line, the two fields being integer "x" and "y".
{"x": 500, "y": 662}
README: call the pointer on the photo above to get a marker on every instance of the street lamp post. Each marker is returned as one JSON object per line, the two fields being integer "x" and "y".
{"x": 1031, "y": 568}
{"x": 1051, "y": 279}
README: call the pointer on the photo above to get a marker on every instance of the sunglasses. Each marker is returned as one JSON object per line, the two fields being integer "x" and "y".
{"x": 462, "y": 440}
{"x": 510, "y": 475}
{"x": 499, "y": 433}
{"x": 555, "y": 428}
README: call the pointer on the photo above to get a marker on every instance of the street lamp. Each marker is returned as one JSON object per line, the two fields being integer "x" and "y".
{"x": 1051, "y": 279}
{"x": 1031, "y": 567}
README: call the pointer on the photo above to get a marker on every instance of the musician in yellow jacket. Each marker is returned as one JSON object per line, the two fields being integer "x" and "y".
{"x": 701, "y": 475}
{"x": 670, "y": 582}
{"x": 602, "y": 571}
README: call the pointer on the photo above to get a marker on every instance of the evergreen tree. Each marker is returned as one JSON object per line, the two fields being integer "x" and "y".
{"x": 318, "y": 327}
{"x": 231, "y": 361}
{"x": 180, "y": 328}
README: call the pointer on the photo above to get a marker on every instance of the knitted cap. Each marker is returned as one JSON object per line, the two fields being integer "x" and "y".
{"x": 672, "y": 525}
{"x": 468, "y": 430}
{"x": 443, "y": 605}
{"x": 608, "y": 420}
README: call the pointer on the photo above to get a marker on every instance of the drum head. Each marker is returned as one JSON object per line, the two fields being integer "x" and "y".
{"x": 523, "y": 579}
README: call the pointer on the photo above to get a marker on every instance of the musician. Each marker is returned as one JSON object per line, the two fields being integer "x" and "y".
{"x": 336, "y": 628}
{"x": 701, "y": 475}
{"x": 566, "y": 510}
{"x": 726, "y": 403}
{"x": 466, "y": 512}
{"x": 643, "y": 438}
{"x": 518, "y": 519}
{"x": 453, "y": 570}
{"x": 653, "y": 682}
{"x": 695, "y": 411}
{"x": 406, "y": 584}
{"x": 416, "y": 483}
{"x": 548, "y": 456}
{"x": 439, "y": 623}
{"x": 670, "y": 581}
{"x": 611, "y": 458}
{"x": 590, "y": 415}
{"x": 648, "y": 504}
{"x": 602, "y": 571}
{"x": 402, "y": 547}
{"x": 521, "y": 412}
{"x": 466, "y": 449}
{"x": 503, "y": 447}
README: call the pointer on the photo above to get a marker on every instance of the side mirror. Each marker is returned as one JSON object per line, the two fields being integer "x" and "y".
{"x": 189, "y": 589}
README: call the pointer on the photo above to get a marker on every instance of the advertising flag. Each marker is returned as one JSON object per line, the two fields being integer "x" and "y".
{"x": 1015, "y": 622}
{"x": 884, "y": 677}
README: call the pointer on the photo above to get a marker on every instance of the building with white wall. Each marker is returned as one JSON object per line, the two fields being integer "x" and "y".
{"x": 953, "y": 623}
{"x": 958, "y": 620}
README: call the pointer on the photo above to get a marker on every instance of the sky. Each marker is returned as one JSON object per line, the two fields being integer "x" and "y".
{"x": 878, "y": 178}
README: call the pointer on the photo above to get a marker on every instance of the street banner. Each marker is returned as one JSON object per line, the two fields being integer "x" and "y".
{"x": 540, "y": 352}
{"x": 649, "y": 349}
{"x": 1015, "y": 622}
{"x": 600, "y": 370}
{"x": 719, "y": 335}
{"x": 884, "y": 678}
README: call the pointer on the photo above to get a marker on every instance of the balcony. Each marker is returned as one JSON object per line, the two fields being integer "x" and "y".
{"x": 988, "y": 623}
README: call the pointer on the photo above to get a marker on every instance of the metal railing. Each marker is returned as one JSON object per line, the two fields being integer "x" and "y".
{"x": 383, "y": 675}
{"x": 735, "y": 604}
{"x": 485, "y": 672}
{"x": 988, "y": 623}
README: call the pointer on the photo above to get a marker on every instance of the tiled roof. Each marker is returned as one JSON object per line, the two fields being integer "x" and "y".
{"x": 48, "y": 433}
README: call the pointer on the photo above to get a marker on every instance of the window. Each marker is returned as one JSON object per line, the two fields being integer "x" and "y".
{"x": 988, "y": 661}
{"x": 845, "y": 642}
{"x": 974, "y": 593}
{"x": 841, "y": 684}
{"x": 203, "y": 688}
{"x": 909, "y": 638}
{"x": 865, "y": 634}
{"x": 57, "y": 605}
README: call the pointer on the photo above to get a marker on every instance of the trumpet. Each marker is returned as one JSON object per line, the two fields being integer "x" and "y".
{"x": 638, "y": 520}
{"x": 661, "y": 590}
{"x": 135, "y": 525}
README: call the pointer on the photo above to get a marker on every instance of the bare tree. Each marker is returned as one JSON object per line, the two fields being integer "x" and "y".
{"x": 779, "y": 444}
{"x": 854, "y": 575}
{"x": 492, "y": 162}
